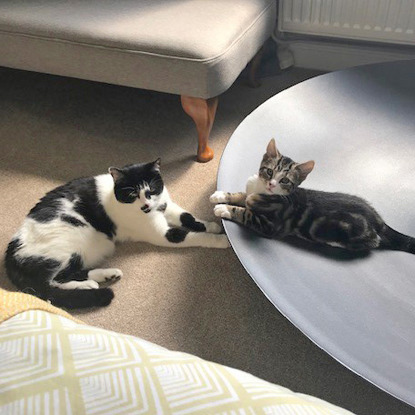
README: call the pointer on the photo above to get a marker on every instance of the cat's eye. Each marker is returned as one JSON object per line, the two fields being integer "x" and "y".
{"x": 132, "y": 191}
{"x": 284, "y": 180}
{"x": 147, "y": 194}
{"x": 270, "y": 172}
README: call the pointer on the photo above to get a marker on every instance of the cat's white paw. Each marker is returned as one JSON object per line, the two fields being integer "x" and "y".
{"x": 222, "y": 241}
{"x": 218, "y": 197}
{"x": 87, "y": 285}
{"x": 213, "y": 227}
{"x": 105, "y": 275}
{"x": 222, "y": 211}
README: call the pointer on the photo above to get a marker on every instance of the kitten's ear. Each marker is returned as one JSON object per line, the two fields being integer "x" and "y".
{"x": 116, "y": 173}
{"x": 305, "y": 169}
{"x": 157, "y": 164}
{"x": 272, "y": 151}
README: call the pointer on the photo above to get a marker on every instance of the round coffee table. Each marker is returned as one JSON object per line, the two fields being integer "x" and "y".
{"x": 359, "y": 127}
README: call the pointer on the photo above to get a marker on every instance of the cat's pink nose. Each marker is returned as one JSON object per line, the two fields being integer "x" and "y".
{"x": 145, "y": 208}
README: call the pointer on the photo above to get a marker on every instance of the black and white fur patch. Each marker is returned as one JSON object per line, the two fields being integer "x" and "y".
{"x": 69, "y": 232}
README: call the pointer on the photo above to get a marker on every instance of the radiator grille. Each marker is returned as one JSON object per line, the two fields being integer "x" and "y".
{"x": 391, "y": 21}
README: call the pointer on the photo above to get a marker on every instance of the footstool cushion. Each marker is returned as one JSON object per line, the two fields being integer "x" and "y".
{"x": 195, "y": 48}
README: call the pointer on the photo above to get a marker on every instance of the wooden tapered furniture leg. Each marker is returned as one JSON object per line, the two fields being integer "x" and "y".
{"x": 203, "y": 112}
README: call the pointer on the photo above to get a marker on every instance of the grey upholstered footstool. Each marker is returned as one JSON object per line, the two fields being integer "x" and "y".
{"x": 195, "y": 48}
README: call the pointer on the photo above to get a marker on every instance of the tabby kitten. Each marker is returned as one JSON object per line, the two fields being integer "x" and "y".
{"x": 55, "y": 253}
{"x": 275, "y": 207}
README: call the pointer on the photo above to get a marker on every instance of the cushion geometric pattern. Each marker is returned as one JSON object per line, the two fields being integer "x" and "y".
{"x": 51, "y": 364}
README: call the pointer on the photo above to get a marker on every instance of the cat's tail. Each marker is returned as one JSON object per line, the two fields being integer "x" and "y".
{"x": 79, "y": 298}
{"x": 31, "y": 276}
{"x": 397, "y": 241}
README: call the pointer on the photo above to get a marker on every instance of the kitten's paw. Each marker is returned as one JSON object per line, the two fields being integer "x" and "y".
{"x": 218, "y": 197}
{"x": 105, "y": 275}
{"x": 213, "y": 227}
{"x": 222, "y": 211}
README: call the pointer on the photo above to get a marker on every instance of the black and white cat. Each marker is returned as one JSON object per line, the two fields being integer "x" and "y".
{"x": 71, "y": 230}
{"x": 274, "y": 206}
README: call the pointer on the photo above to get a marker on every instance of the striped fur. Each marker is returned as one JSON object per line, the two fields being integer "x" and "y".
{"x": 336, "y": 219}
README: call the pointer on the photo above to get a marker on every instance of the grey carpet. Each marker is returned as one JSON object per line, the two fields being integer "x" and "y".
{"x": 200, "y": 301}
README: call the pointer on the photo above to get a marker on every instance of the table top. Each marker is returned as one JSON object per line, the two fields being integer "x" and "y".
{"x": 359, "y": 127}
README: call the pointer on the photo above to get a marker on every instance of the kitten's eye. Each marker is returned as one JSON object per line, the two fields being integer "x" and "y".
{"x": 284, "y": 180}
{"x": 147, "y": 194}
{"x": 270, "y": 172}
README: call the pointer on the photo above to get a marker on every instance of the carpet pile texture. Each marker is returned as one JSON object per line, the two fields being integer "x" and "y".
{"x": 200, "y": 301}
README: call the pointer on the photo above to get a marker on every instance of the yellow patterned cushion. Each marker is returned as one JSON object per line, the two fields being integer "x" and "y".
{"x": 12, "y": 303}
{"x": 51, "y": 364}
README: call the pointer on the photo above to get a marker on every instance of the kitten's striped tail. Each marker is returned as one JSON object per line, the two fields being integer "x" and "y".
{"x": 396, "y": 241}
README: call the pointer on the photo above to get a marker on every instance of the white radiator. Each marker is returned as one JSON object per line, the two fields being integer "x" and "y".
{"x": 391, "y": 21}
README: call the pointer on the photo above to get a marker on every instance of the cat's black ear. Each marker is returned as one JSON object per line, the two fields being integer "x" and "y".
{"x": 272, "y": 151}
{"x": 116, "y": 173}
{"x": 305, "y": 169}
{"x": 157, "y": 164}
